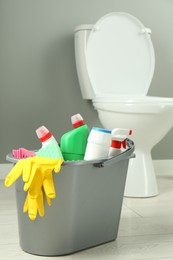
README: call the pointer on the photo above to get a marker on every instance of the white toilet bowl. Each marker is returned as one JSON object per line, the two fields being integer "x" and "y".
{"x": 150, "y": 118}
{"x": 115, "y": 65}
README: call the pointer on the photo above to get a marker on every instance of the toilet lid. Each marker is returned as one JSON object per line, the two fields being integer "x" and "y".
{"x": 120, "y": 56}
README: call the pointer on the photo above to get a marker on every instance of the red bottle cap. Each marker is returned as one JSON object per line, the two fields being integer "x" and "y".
{"x": 77, "y": 120}
{"x": 43, "y": 133}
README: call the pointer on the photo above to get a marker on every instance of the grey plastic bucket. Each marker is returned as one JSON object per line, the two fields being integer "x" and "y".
{"x": 85, "y": 212}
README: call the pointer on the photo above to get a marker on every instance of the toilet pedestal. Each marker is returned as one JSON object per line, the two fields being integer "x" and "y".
{"x": 141, "y": 179}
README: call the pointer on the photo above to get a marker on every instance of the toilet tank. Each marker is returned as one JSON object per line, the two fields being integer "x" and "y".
{"x": 81, "y": 34}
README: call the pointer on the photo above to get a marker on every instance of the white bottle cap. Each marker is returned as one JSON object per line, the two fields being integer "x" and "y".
{"x": 43, "y": 133}
{"x": 77, "y": 120}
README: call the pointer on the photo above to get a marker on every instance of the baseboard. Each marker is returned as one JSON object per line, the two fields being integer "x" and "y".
{"x": 163, "y": 166}
{"x": 160, "y": 166}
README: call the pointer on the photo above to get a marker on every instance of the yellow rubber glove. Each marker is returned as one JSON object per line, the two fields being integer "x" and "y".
{"x": 41, "y": 175}
{"x": 29, "y": 166}
{"x": 22, "y": 168}
{"x": 37, "y": 173}
{"x": 35, "y": 205}
{"x": 32, "y": 205}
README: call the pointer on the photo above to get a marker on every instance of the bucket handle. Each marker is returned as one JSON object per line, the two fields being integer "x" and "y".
{"x": 127, "y": 154}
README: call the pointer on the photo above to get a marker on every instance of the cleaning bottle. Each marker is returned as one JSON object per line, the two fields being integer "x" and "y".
{"x": 98, "y": 144}
{"x": 118, "y": 143}
{"x": 45, "y": 136}
{"x": 50, "y": 147}
{"x": 73, "y": 143}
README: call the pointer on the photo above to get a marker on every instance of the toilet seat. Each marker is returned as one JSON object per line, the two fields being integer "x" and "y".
{"x": 134, "y": 104}
{"x": 120, "y": 56}
{"x": 132, "y": 99}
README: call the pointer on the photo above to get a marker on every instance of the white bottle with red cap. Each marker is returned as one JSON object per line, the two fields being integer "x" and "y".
{"x": 50, "y": 147}
{"x": 45, "y": 136}
{"x": 98, "y": 145}
{"x": 119, "y": 139}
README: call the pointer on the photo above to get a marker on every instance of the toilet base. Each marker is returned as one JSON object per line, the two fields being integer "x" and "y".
{"x": 141, "y": 178}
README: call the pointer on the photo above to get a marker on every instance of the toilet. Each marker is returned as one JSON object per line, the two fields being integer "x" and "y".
{"x": 115, "y": 63}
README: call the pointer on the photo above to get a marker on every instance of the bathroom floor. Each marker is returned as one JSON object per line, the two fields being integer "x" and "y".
{"x": 145, "y": 231}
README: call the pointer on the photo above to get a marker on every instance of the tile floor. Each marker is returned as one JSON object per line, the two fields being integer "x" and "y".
{"x": 145, "y": 231}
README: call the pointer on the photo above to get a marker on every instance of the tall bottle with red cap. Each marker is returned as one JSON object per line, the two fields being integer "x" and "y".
{"x": 50, "y": 147}
{"x": 73, "y": 143}
{"x": 45, "y": 136}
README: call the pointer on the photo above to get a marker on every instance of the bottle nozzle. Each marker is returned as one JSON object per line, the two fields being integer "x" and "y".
{"x": 119, "y": 136}
{"x": 77, "y": 120}
{"x": 43, "y": 133}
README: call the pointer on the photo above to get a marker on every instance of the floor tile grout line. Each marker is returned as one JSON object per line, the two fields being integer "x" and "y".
{"x": 134, "y": 211}
{"x": 146, "y": 235}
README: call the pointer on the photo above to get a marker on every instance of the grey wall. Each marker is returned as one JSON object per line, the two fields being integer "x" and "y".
{"x": 38, "y": 80}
